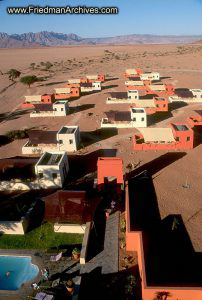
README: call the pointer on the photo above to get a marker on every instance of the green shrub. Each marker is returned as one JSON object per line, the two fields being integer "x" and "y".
{"x": 17, "y": 134}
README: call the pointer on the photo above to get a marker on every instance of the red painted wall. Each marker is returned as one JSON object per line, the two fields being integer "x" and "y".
{"x": 110, "y": 166}
{"x": 134, "y": 242}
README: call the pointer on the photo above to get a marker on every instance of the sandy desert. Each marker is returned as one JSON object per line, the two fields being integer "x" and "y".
{"x": 178, "y": 64}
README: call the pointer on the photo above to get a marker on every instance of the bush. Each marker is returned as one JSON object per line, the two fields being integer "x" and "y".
{"x": 16, "y": 134}
{"x": 28, "y": 80}
{"x": 13, "y": 74}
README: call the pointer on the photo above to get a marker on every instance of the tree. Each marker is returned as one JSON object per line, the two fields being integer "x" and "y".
{"x": 28, "y": 80}
{"x": 13, "y": 74}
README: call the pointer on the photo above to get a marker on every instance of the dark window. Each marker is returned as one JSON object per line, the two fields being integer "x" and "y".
{"x": 188, "y": 138}
{"x": 55, "y": 109}
{"x": 40, "y": 175}
{"x": 142, "y": 119}
{"x": 164, "y": 105}
{"x": 71, "y": 141}
{"x": 177, "y": 139}
{"x": 134, "y": 119}
{"x": 54, "y": 175}
{"x": 62, "y": 109}
{"x": 60, "y": 141}
{"x": 157, "y": 105}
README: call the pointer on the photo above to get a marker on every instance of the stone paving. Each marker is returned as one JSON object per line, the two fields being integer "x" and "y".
{"x": 107, "y": 260}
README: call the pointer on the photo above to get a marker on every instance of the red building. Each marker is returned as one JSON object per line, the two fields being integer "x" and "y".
{"x": 74, "y": 93}
{"x": 179, "y": 136}
{"x": 110, "y": 170}
{"x": 40, "y": 99}
{"x": 195, "y": 121}
{"x": 133, "y": 73}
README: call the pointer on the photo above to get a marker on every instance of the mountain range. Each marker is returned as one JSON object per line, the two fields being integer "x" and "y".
{"x": 48, "y": 39}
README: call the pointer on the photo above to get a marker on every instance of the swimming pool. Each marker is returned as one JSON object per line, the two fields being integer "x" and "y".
{"x": 16, "y": 270}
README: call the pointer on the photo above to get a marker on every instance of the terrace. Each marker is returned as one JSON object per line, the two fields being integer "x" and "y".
{"x": 50, "y": 159}
{"x": 67, "y": 130}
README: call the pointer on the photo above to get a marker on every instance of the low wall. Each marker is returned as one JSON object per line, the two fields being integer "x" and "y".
{"x": 26, "y": 185}
{"x": 84, "y": 247}
{"x": 69, "y": 228}
{"x": 13, "y": 227}
{"x": 38, "y": 150}
{"x": 134, "y": 242}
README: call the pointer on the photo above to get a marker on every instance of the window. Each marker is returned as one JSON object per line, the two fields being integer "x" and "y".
{"x": 135, "y": 97}
{"x": 142, "y": 119}
{"x": 71, "y": 141}
{"x": 60, "y": 142}
{"x": 62, "y": 109}
{"x": 157, "y": 105}
{"x": 177, "y": 139}
{"x": 188, "y": 138}
{"x": 40, "y": 175}
{"x": 134, "y": 119}
{"x": 54, "y": 175}
{"x": 55, "y": 109}
{"x": 164, "y": 105}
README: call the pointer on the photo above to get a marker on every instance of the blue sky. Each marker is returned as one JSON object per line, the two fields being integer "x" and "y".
{"x": 143, "y": 16}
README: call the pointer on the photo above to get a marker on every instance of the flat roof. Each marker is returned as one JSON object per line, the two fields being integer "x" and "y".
{"x": 145, "y": 103}
{"x": 66, "y": 130}
{"x": 42, "y": 137}
{"x": 157, "y": 134}
{"x": 50, "y": 159}
{"x": 181, "y": 127}
{"x": 138, "y": 110}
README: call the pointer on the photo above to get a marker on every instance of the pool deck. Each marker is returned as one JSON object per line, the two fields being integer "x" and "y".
{"x": 65, "y": 266}
{"x": 26, "y": 289}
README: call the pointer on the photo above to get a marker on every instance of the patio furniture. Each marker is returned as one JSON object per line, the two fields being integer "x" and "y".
{"x": 55, "y": 283}
{"x": 56, "y": 257}
{"x": 43, "y": 296}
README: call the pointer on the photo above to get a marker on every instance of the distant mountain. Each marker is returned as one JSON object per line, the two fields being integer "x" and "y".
{"x": 44, "y": 38}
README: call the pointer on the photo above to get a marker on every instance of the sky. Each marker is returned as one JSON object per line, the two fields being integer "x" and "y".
{"x": 162, "y": 17}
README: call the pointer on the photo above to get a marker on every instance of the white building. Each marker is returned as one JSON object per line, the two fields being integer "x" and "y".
{"x": 66, "y": 139}
{"x": 197, "y": 93}
{"x": 150, "y": 76}
{"x": 52, "y": 169}
{"x": 123, "y": 97}
{"x": 58, "y": 109}
{"x": 136, "y": 117}
{"x": 90, "y": 87}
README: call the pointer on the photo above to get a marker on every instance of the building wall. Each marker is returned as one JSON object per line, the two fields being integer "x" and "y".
{"x": 150, "y": 76}
{"x": 48, "y": 98}
{"x": 96, "y": 86}
{"x": 182, "y": 136}
{"x": 67, "y": 146}
{"x": 161, "y": 105}
{"x": 65, "y": 90}
{"x": 40, "y": 149}
{"x": 60, "y": 109}
{"x": 13, "y": 227}
{"x": 110, "y": 167}
{"x": 139, "y": 119}
{"x": 122, "y": 124}
{"x": 48, "y": 171}
{"x": 134, "y": 242}
{"x": 33, "y": 98}
{"x": 133, "y": 94}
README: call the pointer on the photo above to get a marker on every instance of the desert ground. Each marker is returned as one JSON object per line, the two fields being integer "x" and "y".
{"x": 178, "y": 184}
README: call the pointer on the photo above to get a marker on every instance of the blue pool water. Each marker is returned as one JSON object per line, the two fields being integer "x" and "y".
{"x": 16, "y": 270}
